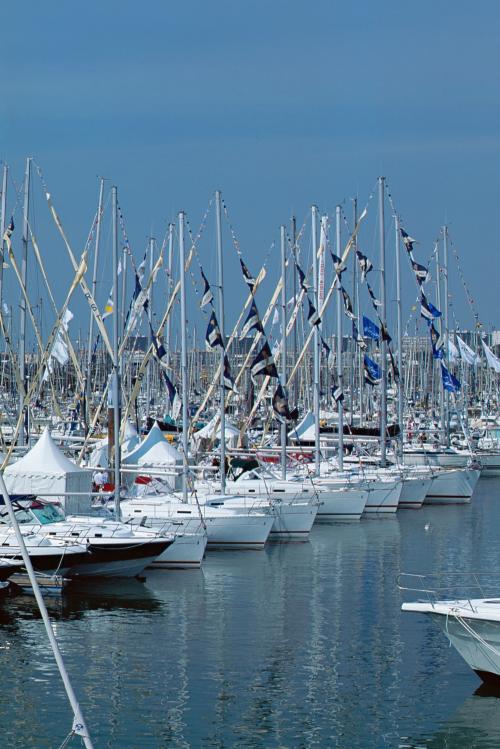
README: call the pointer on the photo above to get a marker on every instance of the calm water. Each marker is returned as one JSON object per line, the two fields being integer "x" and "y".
{"x": 301, "y": 645}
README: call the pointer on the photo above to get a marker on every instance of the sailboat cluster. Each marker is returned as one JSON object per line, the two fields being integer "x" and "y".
{"x": 136, "y": 449}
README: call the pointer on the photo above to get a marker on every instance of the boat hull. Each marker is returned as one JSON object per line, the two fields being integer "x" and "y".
{"x": 341, "y": 504}
{"x": 452, "y": 487}
{"x": 413, "y": 493}
{"x": 292, "y": 520}
{"x": 383, "y": 497}
{"x": 122, "y": 559}
{"x": 185, "y": 553}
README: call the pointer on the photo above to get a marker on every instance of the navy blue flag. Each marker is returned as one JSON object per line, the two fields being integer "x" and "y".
{"x": 281, "y": 408}
{"x": 207, "y": 297}
{"x": 337, "y": 264}
{"x": 252, "y": 322}
{"x": 249, "y": 279}
{"x": 373, "y": 373}
{"x": 312, "y": 316}
{"x": 347, "y": 304}
{"x": 436, "y": 342}
{"x": 228, "y": 377}
{"x": 407, "y": 240}
{"x": 213, "y": 336}
{"x": 421, "y": 272}
{"x": 427, "y": 310}
{"x": 365, "y": 265}
{"x": 370, "y": 330}
{"x": 263, "y": 364}
{"x": 302, "y": 278}
{"x": 450, "y": 382}
{"x": 376, "y": 302}
{"x": 357, "y": 337}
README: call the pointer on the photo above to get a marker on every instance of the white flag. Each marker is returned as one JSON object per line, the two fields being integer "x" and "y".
{"x": 493, "y": 361}
{"x": 467, "y": 354}
{"x": 453, "y": 353}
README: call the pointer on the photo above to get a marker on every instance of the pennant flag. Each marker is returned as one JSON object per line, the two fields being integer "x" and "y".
{"x": 228, "y": 378}
{"x": 330, "y": 358}
{"x": 373, "y": 373}
{"x": 108, "y": 307}
{"x": 302, "y": 278}
{"x": 493, "y": 361}
{"x": 467, "y": 354}
{"x": 427, "y": 310}
{"x": 281, "y": 408}
{"x": 450, "y": 383}
{"x": 252, "y": 322}
{"x": 263, "y": 364}
{"x": 276, "y": 317}
{"x": 249, "y": 279}
{"x": 437, "y": 342}
{"x": 370, "y": 330}
{"x": 207, "y": 297}
{"x": 407, "y": 240}
{"x": 213, "y": 335}
{"x": 338, "y": 395}
{"x": 384, "y": 333}
{"x": 347, "y": 304}
{"x": 453, "y": 352}
{"x": 337, "y": 264}
{"x": 376, "y": 302}
{"x": 357, "y": 337}
{"x": 421, "y": 273}
{"x": 312, "y": 316}
{"x": 365, "y": 265}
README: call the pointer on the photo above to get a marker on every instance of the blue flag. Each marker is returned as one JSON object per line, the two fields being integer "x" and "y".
{"x": 373, "y": 373}
{"x": 450, "y": 383}
{"x": 370, "y": 330}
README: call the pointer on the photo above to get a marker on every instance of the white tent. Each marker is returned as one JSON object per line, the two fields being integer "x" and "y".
{"x": 155, "y": 452}
{"x": 45, "y": 468}
{"x": 304, "y": 431}
{"x": 99, "y": 455}
{"x": 212, "y": 431}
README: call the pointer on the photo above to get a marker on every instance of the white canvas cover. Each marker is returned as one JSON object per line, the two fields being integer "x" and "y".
{"x": 99, "y": 455}
{"x": 45, "y": 468}
{"x": 155, "y": 452}
{"x": 212, "y": 431}
{"x": 305, "y": 429}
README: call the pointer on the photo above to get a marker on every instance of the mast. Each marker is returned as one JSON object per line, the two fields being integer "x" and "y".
{"x": 441, "y": 390}
{"x": 22, "y": 304}
{"x": 220, "y": 289}
{"x": 446, "y": 330}
{"x": 3, "y": 221}
{"x": 340, "y": 406}
{"x": 294, "y": 250}
{"x": 169, "y": 285}
{"x": 383, "y": 346}
{"x": 184, "y": 368}
{"x": 116, "y": 361}
{"x": 94, "y": 289}
{"x": 150, "y": 318}
{"x": 399, "y": 335}
{"x": 314, "y": 240}
{"x": 283, "y": 345}
{"x": 357, "y": 310}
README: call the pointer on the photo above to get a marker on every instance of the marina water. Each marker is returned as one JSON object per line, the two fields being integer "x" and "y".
{"x": 301, "y": 645}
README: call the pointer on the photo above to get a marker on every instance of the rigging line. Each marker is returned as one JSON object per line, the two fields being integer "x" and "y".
{"x": 236, "y": 243}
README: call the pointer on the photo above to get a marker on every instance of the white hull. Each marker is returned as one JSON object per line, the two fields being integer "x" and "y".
{"x": 452, "y": 487}
{"x": 383, "y": 497}
{"x": 292, "y": 520}
{"x": 490, "y": 464}
{"x": 186, "y": 553}
{"x": 239, "y": 532}
{"x": 341, "y": 504}
{"x": 413, "y": 493}
{"x": 443, "y": 459}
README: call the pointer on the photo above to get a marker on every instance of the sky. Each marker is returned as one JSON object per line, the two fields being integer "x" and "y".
{"x": 278, "y": 104}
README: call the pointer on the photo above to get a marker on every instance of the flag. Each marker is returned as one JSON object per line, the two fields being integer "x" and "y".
{"x": 281, "y": 408}
{"x": 357, "y": 337}
{"x": 467, "y": 354}
{"x": 213, "y": 336}
{"x": 252, "y": 322}
{"x": 302, "y": 278}
{"x": 373, "y": 373}
{"x": 108, "y": 307}
{"x": 450, "y": 383}
{"x": 347, "y": 304}
{"x": 384, "y": 333}
{"x": 228, "y": 378}
{"x": 376, "y": 302}
{"x": 207, "y": 297}
{"x": 276, "y": 317}
{"x": 421, "y": 273}
{"x": 365, "y": 265}
{"x": 338, "y": 264}
{"x": 437, "y": 342}
{"x": 453, "y": 352}
{"x": 370, "y": 330}
{"x": 407, "y": 240}
{"x": 338, "y": 395}
{"x": 312, "y": 316}
{"x": 263, "y": 364}
{"x": 330, "y": 358}
{"x": 493, "y": 361}
{"x": 249, "y": 279}
{"x": 427, "y": 310}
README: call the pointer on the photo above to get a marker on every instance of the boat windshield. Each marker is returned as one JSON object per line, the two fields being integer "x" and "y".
{"x": 45, "y": 514}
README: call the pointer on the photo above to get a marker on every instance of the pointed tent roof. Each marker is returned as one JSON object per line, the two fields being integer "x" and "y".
{"x": 154, "y": 450}
{"x": 305, "y": 429}
{"x": 212, "y": 429}
{"x": 44, "y": 457}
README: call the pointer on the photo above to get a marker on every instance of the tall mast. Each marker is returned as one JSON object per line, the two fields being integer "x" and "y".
{"x": 184, "y": 367}
{"x": 314, "y": 240}
{"x": 383, "y": 347}
{"x": 22, "y": 305}
{"x": 446, "y": 329}
{"x": 357, "y": 310}
{"x": 220, "y": 288}
{"x": 399, "y": 335}
{"x": 340, "y": 375}
{"x": 294, "y": 250}
{"x": 283, "y": 344}
{"x": 150, "y": 318}
{"x": 3, "y": 222}
{"x": 169, "y": 286}
{"x": 94, "y": 289}
{"x": 116, "y": 362}
{"x": 441, "y": 391}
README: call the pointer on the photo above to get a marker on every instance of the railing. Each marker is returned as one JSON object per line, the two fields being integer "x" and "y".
{"x": 464, "y": 586}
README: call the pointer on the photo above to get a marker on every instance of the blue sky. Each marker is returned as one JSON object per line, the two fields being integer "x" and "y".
{"x": 278, "y": 104}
